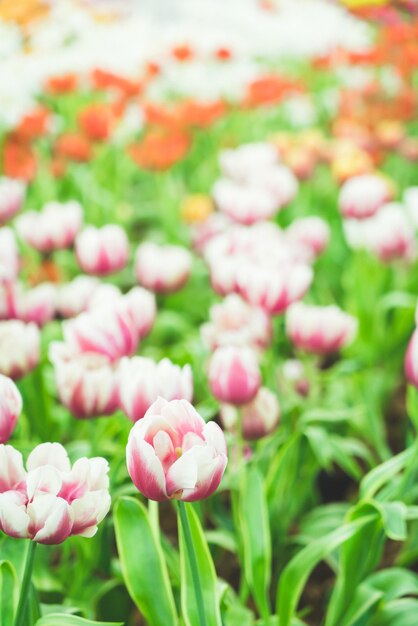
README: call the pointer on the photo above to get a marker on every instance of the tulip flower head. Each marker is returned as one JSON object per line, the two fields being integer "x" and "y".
{"x": 9, "y": 256}
{"x": 245, "y": 204}
{"x": 19, "y": 348}
{"x": 10, "y": 407}
{"x": 242, "y": 162}
{"x": 411, "y": 360}
{"x": 173, "y": 454}
{"x": 362, "y": 196}
{"x": 259, "y": 417}
{"x": 319, "y": 329}
{"x": 102, "y": 251}
{"x": 54, "y": 228}
{"x": 142, "y": 382}
{"x": 50, "y": 500}
{"x": 234, "y": 374}
{"x": 12, "y": 194}
{"x": 163, "y": 269}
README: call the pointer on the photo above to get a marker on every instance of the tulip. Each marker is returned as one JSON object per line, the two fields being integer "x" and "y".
{"x": 9, "y": 256}
{"x": 279, "y": 182}
{"x": 240, "y": 163}
{"x": 410, "y": 200}
{"x": 36, "y": 305}
{"x": 362, "y": 196}
{"x": 104, "y": 296}
{"x": 12, "y": 194}
{"x": 142, "y": 381}
{"x": 111, "y": 332}
{"x": 294, "y": 372}
{"x": 86, "y": 382}
{"x": 411, "y": 360}
{"x": 54, "y": 228}
{"x": 139, "y": 306}
{"x": 274, "y": 289}
{"x": 163, "y": 269}
{"x": 173, "y": 453}
{"x": 256, "y": 419}
{"x": 204, "y": 232}
{"x": 102, "y": 251}
{"x": 50, "y": 500}
{"x": 74, "y": 297}
{"x": 234, "y": 374}
{"x": 312, "y": 233}
{"x": 245, "y": 204}
{"x": 10, "y": 407}
{"x": 234, "y": 322}
{"x": 319, "y": 329}
{"x": 19, "y": 348}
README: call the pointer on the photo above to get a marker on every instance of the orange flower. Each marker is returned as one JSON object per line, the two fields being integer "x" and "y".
{"x": 58, "y": 166}
{"x": 200, "y": 114}
{"x": 65, "y": 83}
{"x": 19, "y": 160}
{"x": 196, "y": 208}
{"x": 74, "y": 146}
{"x": 182, "y": 52}
{"x": 159, "y": 150}
{"x": 33, "y": 124}
{"x": 270, "y": 89}
{"x": 102, "y": 79}
{"x": 159, "y": 115}
{"x": 96, "y": 121}
{"x": 152, "y": 69}
{"x": 223, "y": 54}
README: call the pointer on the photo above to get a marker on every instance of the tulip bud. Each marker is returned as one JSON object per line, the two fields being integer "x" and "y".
{"x": 234, "y": 322}
{"x": 242, "y": 162}
{"x": 86, "y": 383}
{"x": 411, "y": 360}
{"x": 259, "y": 417}
{"x": 319, "y": 329}
{"x": 9, "y": 256}
{"x": 140, "y": 307}
{"x": 102, "y": 251}
{"x": 312, "y": 233}
{"x": 278, "y": 181}
{"x": 294, "y": 372}
{"x": 163, "y": 269}
{"x": 74, "y": 297}
{"x": 36, "y": 305}
{"x": 50, "y": 500}
{"x": 12, "y": 194}
{"x": 245, "y": 204}
{"x": 19, "y": 348}
{"x": 54, "y": 228}
{"x": 173, "y": 453}
{"x": 142, "y": 381}
{"x": 362, "y": 196}
{"x": 203, "y": 233}
{"x": 10, "y": 407}
{"x": 234, "y": 375}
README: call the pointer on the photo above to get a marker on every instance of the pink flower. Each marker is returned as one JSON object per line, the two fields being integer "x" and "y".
{"x": 35, "y": 305}
{"x": 86, "y": 382}
{"x": 142, "y": 381}
{"x": 204, "y": 232}
{"x": 102, "y": 251}
{"x": 319, "y": 329}
{"x": 245, "y": 204}
{"x": 242, "y": 162}
{"x": 73, "y": 298}
{"x": 294, "y": 372}
{"x": 411, "y": 360}
{"x": 259, "y": 417}
{"x": 12, "y": 195}
{"x": 234, "y": 322}
{"x": 50, "y": 500}
{"x": 363, "y": 195}
{"x": 278, "y": 181}
{"x": 9, "y": 256}
{"x": 274, "y": 289}
{"x": 10, "y": 407}
{"x": 54, "y": 228}
{"x": 312, "y": 233}
{"x": 139, "y": 306}
{"x": 110, "y": 332}
{"x": 163, "y": 269}
{"x": 173, "y": 453}
{"x": 19, "y": 348}
{"x": 234, "y": 374}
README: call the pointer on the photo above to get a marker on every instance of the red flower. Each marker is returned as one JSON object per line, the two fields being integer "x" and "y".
{"x": 103, "y": 79}
{"x": 19, "y": 160}
{"x": 33, "y": 124}
{"x": 182, "y": 52}
{"x": 159, "y": 150}
{"x": 65, "y": 83}
{"x": 73, "y": 146}
{"x": 96, "y": 121}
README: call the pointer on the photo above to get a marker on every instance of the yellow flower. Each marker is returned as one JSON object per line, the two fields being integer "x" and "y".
{"x": 196, "y": 208}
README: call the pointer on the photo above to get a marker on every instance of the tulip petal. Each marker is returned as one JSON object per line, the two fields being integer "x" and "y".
{"x": 145, "y": 469}
{"x": 49, "y": 454}
{"x": 183, "y": 473}
{"x": 14, "y": 520}
{"x": 11, "y": 468}
{"x": 214, "y": 436}
{"x": 51, "y": 519}
{"x": 89, "y": 511}
{"x": 44, "y": 479}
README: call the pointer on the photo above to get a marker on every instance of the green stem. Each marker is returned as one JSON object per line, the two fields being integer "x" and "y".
{"x": 154, "y": 517}
{"x": 188, "y": 540}
{"x": 25, "y": 587}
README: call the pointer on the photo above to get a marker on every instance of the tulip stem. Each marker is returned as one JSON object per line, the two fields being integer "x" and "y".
{"x": 25, "y": 587}
{"x": 191, "y": 553}
{"x": 154, "y": 516}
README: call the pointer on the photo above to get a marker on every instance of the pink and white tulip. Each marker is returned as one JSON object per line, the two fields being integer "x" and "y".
{"x": 279, "y": 182}
{"x": 242, "y": 162}
{"x": 36, "y": 305}
{"x": 19, "y": 348}
{"x": 362, "y": 196}
{"x": 163, "y": 269}
{"x": 245, "y": 204}
{"x": 234, "y": 322}
{"x": 234, "y": 374}
{"x": 142, "y": 381}
{"x": 50, "y": 500}
{"x": 73, "y": 298}
{"x": 86, "y": 382}
{"x": 173, "y": 454}
{"x": 12, "y": 195}
{"x": 411, "y": 360}
{"x": 320, "y": 329}
{"x": 54, "y": 228}
{"x": 312, "y": 233}
{"x": 102, "y": 251}
{"x": 9, "y": 256}
{"x": 10, "y": 407}
{"x": 256, "y": 419}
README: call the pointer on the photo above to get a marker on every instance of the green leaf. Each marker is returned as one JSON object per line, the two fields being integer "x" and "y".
{"x": 383, "y": 473}
{"x": 394, "y": 582}
{"x": 394, "y": 515}
{"x": 255, "y": 537}
{"x": 296, "y": 573}
{"x": 207, "y": 576}
{"x": 364, "y": 600}
{"x": 63, "y": 619}
{"x": 143, "y": 566}
{"x": 9, "y": 585}
{"x": 397, "y": 613}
